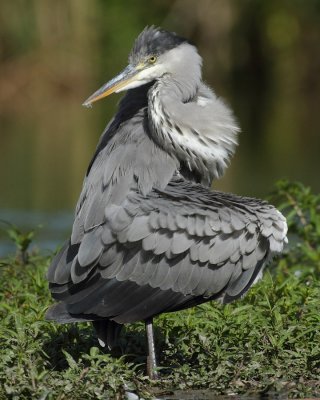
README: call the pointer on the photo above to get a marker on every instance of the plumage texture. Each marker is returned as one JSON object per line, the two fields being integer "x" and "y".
{"x": 149, "y": 236}
{"x": 152, "y": 41}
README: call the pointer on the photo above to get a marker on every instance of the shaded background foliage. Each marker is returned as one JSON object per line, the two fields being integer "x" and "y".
{"x": 261, "y": 56}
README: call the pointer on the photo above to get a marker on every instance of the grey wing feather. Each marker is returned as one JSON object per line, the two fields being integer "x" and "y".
{"x": 59, "y": 270}
{"x": 91, "y": 247}
{"x": 175, "y": 247}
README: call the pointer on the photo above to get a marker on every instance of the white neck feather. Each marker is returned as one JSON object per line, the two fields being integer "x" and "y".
{"x": 200, "y": 131}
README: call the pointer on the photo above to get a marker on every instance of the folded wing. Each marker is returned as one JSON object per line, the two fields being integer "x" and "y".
{"x": 175, "y": 248}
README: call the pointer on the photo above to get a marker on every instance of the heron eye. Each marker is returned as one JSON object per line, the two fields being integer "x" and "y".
{"x": 152, "y": 59}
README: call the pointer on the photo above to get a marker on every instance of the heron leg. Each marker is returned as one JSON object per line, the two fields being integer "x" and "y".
{"x": 151, "y": 359}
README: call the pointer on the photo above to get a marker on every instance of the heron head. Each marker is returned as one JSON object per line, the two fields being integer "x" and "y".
{"x": 155, "y": 53}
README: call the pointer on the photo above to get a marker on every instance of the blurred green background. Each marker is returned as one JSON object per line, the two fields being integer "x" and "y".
{"x": 261, "y": 56}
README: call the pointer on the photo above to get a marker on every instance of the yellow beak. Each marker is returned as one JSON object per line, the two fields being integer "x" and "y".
{"x": 116, "y": 84}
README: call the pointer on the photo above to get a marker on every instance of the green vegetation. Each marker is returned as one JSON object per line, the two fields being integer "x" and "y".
{"x": 22, "y": 241}
{"x": 268, "y": 341}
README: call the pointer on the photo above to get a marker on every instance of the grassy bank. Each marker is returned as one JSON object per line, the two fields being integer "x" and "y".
{"x": 268, "y": 341}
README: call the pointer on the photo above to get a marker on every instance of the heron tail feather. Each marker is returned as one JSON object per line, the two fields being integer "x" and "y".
{"x": 108, "y": 332}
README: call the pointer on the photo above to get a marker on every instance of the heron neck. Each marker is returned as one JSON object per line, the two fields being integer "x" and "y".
{"x": 190, "y": 122}
{"x": 168, "y": 129}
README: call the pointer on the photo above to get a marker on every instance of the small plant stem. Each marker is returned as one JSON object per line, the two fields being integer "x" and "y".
{"x": 297, "y": 209}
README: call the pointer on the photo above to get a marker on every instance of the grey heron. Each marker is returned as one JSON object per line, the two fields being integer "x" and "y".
{"x": 149, "y": 236}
